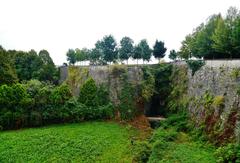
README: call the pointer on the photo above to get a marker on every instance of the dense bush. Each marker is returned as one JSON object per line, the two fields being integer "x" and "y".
{"x": 195, "y": 65}
{"x": 142, "y": 151}
{"x": 35, "y": 103}
{"x": 228, "y": 153}
{"x": 127, "y": 106}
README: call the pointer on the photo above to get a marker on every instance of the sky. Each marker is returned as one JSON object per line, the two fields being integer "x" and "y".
{"x": 57, "y": 25}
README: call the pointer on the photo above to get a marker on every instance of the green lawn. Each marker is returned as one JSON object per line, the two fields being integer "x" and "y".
{"x": 181, "y": 150}
{"x": 84, "y": 142}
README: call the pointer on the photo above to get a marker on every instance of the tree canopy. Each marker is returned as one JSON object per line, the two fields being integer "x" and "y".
{"x": 159, "y": 49}
{"x": 126, "y": 48}
{"x": 219, "y": 37}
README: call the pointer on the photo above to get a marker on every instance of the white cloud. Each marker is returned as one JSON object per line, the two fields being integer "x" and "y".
{"x": 57, "y": 25}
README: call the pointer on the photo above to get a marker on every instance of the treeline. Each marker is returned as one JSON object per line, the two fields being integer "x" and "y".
{"x": 218, "y": 38}
{"x": 19, "y": 66}
{"x": 107, "y": 51}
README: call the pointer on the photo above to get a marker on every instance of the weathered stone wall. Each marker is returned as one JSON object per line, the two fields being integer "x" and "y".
{"x": 109, "y": 76}
{"x": 215, "y": 101}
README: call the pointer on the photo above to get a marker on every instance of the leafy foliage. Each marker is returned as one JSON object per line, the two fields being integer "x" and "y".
{"x": 217, "y": 38}
{"x": 159, "y": 49}
{"x": 195, "y": 65}
{"x": 88, "y": 93}
{"x": 173, "y": 55}
{"x": 7, "y": 71}
{"x": 127, "y": 106}
{"x": 126, "y": 48}
{"x": 71, "y": 56}
{"x": 228, "y": 153}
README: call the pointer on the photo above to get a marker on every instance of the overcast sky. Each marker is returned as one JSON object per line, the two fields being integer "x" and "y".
{"x": 57, "y": 25}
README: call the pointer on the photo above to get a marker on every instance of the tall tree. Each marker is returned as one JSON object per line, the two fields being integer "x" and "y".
{"x": 108, "y": 48}
{"x": 186, "y": 50}
{"x": 45, "y": 57}
{"x": 146, "y": 50}
{"x": 7, "y": 70}
{"x": 137, "y": 53}
{"x": 48, "y": 70}
{"x": 221, "y": 39}
{"x": 95, "y": 55}
{"x": 173, "y": 55}
{"x": 142, "y": 51}
{"x": 27, "y": 65}
{"x": 159, "y": 49}
{"x": 71, "y": 56}
{"x": 126, "y": 49}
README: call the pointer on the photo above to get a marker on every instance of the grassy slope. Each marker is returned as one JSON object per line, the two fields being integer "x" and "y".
{"x": 183, "y": 150}
{"x": 85, "y": 142}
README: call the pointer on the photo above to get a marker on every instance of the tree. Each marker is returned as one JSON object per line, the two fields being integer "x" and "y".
{"x": 71, "y": 56}
{"x": 95, "y": 55}
{"x": 203, "y": 44}
{"x": 7, "y": 70}
{"x": 27, "y": 65}
{"x": 137, "y": 53}
{"x": 88, "y": 93}
{"x": 233, "y": 23}
{"x": 221, "y": 39}
{"x": 45, "y": 57}
{"x": 79, "y": 55}
{"x": 48, "y": 70}
{"x": 159, "y": 50}
{"x": 126, "y": 48}
{"x": 185, "y": 50}
{"x": 173, "y": 55}
{"x": 142, "y": 51}
{"x": 108, "y": 48}
{"x": 146, "y": 50}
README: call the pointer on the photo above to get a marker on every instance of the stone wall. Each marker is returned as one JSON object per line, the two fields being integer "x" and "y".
{"x": 109, "y": 76}
{"x": 215, "y": 102}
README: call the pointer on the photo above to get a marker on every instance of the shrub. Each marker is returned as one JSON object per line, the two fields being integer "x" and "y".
{"x": 228, "y": 153}
{"x": 73, "y": 111}
{"x": 195, "y": 65}
{"x": 207, "y": 99}
{"x": 147, "y": 85}
{"x": 6, "y": 96}
{"x": 218, "y": 101}
{"x": 102, "y": 96}
{"x": 88, "y": 93}
{"x": 141, "y": 151}
{"x": 61, "y": 94}
{"x": 178, "y": 121}
{"x": 235, "y": 74}
{"x": 158, "y": 150}
{"x": 164, "y": 135}
{"x": 127, "y": 106}
{"x": 238, "y": 90}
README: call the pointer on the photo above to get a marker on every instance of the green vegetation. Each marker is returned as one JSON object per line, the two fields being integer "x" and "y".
{"x": 36, "y": 104}
{"x": 235, "y": 74}
{"x": 85, "y": 142}
{"x": 23, "y": 66}
{"x": 159, "y": 49}
{"x": 217, "y": 38}
{"x": 106, "y": 51}
{"x": 172, "y": 142}
{"x": 195, "y": 65}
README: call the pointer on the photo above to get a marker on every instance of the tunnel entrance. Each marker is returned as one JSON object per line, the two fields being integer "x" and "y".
{"x": 155, "y": 107}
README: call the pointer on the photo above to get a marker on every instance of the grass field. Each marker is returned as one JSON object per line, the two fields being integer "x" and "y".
{"x": 85, "y": 142}
{"x": 181, "y": 150}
